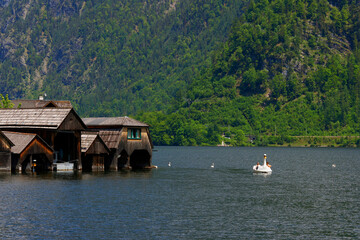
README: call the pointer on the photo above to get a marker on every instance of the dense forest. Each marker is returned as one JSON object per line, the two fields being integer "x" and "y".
{"x": 287, "y": 68}
{"x": 199, "y": 72}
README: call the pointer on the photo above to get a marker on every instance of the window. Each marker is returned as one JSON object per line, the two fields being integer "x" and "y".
{"x": 134, "y": 133}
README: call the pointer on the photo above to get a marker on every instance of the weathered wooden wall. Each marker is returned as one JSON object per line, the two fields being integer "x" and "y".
{"x": 5, "y": 161}
{"x": 94, "y": 152}
{"x": 125, "y": 152}
{"x": 5, "y": 154}
{"x": 97, "y": 148}
{"x": 129, "y": 145}
{"x": 36, "y": 147}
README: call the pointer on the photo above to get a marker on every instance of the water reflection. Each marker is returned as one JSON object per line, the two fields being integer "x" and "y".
{"x": 263, "y": 174}
{"x": 5, "y": 176}
{"x": 74, "y": 175}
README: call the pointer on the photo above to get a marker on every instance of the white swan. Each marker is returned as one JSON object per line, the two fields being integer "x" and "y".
{"x": 169, "y": 164}
{"x": 212, "y": 165}
{"x": 265, "y": 168}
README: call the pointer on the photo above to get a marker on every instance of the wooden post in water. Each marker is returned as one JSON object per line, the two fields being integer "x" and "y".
{"x": 31, "y": 163}
{"x": 128, "y": 166}
{"x": 78, "y": 149}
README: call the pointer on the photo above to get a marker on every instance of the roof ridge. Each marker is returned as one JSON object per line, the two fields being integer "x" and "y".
{"x": 19, "y": 133}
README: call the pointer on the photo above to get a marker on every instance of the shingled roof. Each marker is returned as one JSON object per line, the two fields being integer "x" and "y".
{"x": 40, "y": 103}
{"x": 113, "y": 122}
{"x": 88, "y": 138}
{"x": 39, "y": 118}
{"x": 6, "y": 138}
{"x": 22, "y": 140}
{"x": 111, "y": 138}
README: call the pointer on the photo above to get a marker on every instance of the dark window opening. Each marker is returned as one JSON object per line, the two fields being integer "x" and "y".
{"x": 134, "y": 133}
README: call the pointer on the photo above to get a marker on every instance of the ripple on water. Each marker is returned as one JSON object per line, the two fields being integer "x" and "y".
{"x": 304, "y": 197}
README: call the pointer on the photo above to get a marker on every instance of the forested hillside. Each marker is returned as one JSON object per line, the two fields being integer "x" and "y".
{"x": 288, "y": 68}
{"x": 198, "y": 71}
{"x": 109, "y": 57}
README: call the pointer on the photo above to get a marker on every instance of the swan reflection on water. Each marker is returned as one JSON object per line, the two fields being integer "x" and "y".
{"x": 262, "y": 174}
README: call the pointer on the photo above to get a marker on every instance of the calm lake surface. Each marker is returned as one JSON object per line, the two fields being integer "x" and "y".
{"x": 304, "y": 198}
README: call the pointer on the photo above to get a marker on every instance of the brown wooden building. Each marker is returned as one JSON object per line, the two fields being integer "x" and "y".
{"x": 29, "y": 150}
{"x": 5, "y": 152}
{"x": 94, "y": 152}
{"x": 128, "y": 140}
{"x": 59, "y": 127}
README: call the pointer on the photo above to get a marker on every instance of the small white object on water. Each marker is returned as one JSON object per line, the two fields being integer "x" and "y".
{"x": 333, "y": 165}
{"x": 212, "y": 165}
{"x": 265, "y": 168}
{"x": 169, "y": 164}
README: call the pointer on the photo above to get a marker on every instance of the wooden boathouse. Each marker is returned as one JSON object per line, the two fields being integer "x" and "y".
{"x": 5, "y": 152}
{"x": 60, "y": 128}
{"x": 129, "y": 141}
{"x": 94, "y": 152}
{"x": 29, "y": 151}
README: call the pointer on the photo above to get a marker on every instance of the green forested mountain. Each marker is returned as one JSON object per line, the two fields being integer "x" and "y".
{"x": 109, "y": 57}
{"x": 198, "y": 71}
{"x": 287, "y": 68}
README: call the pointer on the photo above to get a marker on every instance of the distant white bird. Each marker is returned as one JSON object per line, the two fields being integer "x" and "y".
{"x": 212, "y": 165}
{"x": 333, "y": 165}
{"x": 169, "y": 164}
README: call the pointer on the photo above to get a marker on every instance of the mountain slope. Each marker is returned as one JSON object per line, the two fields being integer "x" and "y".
{"x": 288, "y": 68}
{"x": 109, "y": 57}
{"x": 198, "y": 71}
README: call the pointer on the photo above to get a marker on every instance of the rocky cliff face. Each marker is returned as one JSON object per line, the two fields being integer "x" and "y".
{"x": 27, "y": 49}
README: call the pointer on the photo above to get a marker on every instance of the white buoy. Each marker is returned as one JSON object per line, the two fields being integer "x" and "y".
{"x": 169, "y": 164}
{"x": 212, "y": 165}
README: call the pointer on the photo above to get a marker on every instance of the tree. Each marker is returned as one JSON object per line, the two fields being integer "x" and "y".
{"x": 5, "y": 102}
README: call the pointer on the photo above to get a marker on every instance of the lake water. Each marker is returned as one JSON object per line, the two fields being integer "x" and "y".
{"x": 304, "y": 198}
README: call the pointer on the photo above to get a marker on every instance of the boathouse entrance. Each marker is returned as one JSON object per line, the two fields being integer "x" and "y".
{"x": 65, "y": 145}
{"x": 140, "y": 159}
{"x": 93, "y": 162}
{"x": 36, "y": 163}
{"x": 29, "y": 152}
{"x": 123, "y": 160}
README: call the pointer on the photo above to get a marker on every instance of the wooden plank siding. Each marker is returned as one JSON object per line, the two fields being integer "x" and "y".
{"x": 5, "y": 152}
{"x": 125, "y": 152}
{"x": 59, "y": 127}
{"x": 94, "y": 152}
{"x": 112, "y": 140}
{"x": 131, "y": 146}
{"x": 28, "y": 147}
